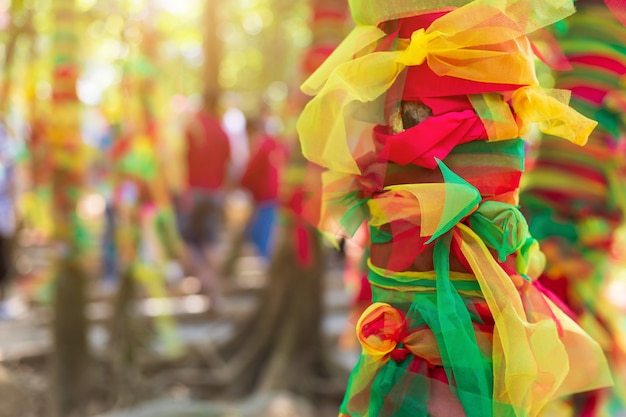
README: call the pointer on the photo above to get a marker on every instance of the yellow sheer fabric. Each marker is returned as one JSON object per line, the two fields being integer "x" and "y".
{"x": 496, "y": 115}
{"x": 549, "y": 109}
{"x": 530, "y": 371}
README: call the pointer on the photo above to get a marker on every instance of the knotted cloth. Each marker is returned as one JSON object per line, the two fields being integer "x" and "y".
{"x": 457, "y": 322}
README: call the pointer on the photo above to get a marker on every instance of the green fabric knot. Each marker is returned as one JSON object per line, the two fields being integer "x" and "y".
{"x": 501, "y": 226}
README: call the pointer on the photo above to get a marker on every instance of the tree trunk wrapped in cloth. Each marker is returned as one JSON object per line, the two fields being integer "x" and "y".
{"x": 574, "y": 197}
{"x": 457, "y": 326}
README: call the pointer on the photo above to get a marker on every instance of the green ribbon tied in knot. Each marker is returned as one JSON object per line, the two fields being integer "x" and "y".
{"x": 503, "y": 228}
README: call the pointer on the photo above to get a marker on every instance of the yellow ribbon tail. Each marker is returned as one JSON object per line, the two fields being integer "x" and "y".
{"x": 586, "y": 358}
{"x": 533, "y": 363}
{"x": 530, "y": 361}
{"x": 552, "y": 114}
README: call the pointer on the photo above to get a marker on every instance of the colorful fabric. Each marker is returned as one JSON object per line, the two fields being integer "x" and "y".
{"x": 574, "y": 197}
{"x": 146, "y": 235}
{"x": 135, "y": 156}
{"x": 457, "y": 323}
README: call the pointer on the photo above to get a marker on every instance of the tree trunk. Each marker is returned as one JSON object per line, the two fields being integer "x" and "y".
{"x": 70, "y": 339}
{"x": 69, "y": 329}
{"x": 212, "y": 48}
{"x": 14, "y": 33}
{"x": 431, "y": 347}
{"x": 126, "y": 342}
{"x": 282, "y": 345}
{"x": 128, "y": 337}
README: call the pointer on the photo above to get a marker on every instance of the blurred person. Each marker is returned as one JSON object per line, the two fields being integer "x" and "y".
{"x": 104, "y": 170}
{"x": 208, "y": 158}
{"x": 8, "y": 222}
{"x": 261, "y": 180}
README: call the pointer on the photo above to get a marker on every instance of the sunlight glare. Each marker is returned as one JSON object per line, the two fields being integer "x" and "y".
{"x": 180, "y": 8}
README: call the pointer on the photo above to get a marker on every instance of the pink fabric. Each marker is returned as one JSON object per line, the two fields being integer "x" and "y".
{"x": 435, "y": 137}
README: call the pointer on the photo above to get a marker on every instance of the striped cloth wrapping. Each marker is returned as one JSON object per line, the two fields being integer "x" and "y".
{"x": 574, "y": 198}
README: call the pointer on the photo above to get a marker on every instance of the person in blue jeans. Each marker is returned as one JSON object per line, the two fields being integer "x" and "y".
{"x": 262, "y": 178}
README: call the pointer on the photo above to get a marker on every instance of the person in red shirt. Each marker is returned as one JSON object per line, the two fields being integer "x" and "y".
{"x": 208, "y": 150}
{"x": 262, "y": 179}
{"x": 208, "y": 158}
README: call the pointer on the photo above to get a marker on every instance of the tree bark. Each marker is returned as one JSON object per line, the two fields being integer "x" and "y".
{"x": 282, "y": 346}
{"x": 14, "y": 33}
{"x": 128, "y": 337}
{"x": 212, "y": 48}
{"x": 69, "y": 329}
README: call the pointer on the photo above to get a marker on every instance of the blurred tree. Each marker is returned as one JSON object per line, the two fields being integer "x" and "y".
{"x": 128, "y": 337}
{"x": 21, "y": 22}
{"x": 145, "y": 228}
{"x": 282, "y": 346}
{"x": 212, "y": 47}
{"x": 70, "y": 355}
{"x": 262, "y": 43}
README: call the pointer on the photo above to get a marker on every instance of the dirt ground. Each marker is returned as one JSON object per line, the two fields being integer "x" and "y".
{"x": 173, "y": 390}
